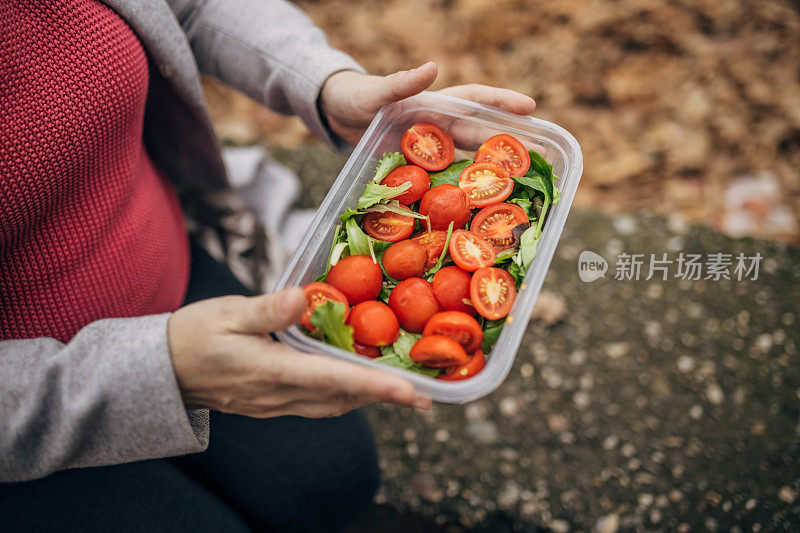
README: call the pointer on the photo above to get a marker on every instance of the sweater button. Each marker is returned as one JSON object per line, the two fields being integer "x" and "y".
{"x": 166, "y": 70}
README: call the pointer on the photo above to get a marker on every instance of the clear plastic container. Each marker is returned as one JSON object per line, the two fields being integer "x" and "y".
{"x": 470, "y": 124}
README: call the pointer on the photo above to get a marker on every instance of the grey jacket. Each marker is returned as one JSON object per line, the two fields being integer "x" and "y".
{"x": 110, "y": 395}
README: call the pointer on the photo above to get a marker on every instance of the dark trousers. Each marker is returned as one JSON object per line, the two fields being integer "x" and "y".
{"x": 281, "y": 474}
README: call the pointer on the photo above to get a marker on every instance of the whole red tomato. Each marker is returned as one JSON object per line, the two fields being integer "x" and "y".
{"x": 414, "y": 303}
{"x": 374, "y": 324}
{"x": 451, "y": 287}
{"x": 420, "y": 182}
{"x": 358, "y": 277}
{"x": 405, "y": 259}
{"x": 444, "y": 204}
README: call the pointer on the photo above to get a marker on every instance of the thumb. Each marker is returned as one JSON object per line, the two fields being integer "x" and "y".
{"x": 400, "y": 85}
{"x": 269, "y": 312}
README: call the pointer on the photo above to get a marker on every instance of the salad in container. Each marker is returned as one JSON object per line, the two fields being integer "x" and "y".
{"x": 427, "y": 255}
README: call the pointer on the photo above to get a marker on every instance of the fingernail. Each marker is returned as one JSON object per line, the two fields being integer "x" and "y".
{"x": 423, "y": 404}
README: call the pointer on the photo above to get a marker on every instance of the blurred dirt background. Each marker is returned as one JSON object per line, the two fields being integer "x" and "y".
{"x": 689, "y": 107}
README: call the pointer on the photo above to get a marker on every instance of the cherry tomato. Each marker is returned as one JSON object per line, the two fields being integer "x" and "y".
{"x": 388, "y": 226}
{"x": 427, "y": 146}
{"x": 459, "y": 326}
{"x": 317, "y": 294}
{"x": 438, "y": 351}
{"x": 433, "y": 243}
{"x": 485, "y": 184}
{"x": 451, "y": 288}
{"x": 506, "y": 151}
{"x": 405, "y": 259}
{"x": 368, "y": 351}
{"x": 470, "y": 252}
{"x": 374, "y": 324}
{"x": 358, "y": 277}
{"x": 413, "y": 302}
{"x": 443, "y": 204}
{"x": 496, "y": 222}
{"x": 492, "y": 291}
{"x": 475, "y": 364}
{"x": 420, "y": 182}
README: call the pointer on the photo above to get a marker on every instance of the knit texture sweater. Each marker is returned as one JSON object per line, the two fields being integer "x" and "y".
{"x": 89, "y": 226}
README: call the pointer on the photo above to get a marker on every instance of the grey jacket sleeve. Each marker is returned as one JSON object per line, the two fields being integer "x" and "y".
{"x": 108, "y": 396}
{"x": 268, "y": 49}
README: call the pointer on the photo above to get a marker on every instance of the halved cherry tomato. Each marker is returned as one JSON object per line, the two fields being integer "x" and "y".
{"x": 471, "y": 252}
{"x": 427, "y": 146}
{"x": 459, "y": 326}
{"x": 451, "y": 288}
{"x": 438, "y": 351}
{"x": 496, "y": 222}
{"x": 492, "y": 291}
{"x": 358, "y": 277}
{"x": 317, "y": 294}
{"x": 445, "y": 203}
{"x": 420, "y": 182}
{"x": 475, "y": 364}
{"x": 485, "y": 184}
{"x": 506, "y": 151}
{"x": 388, "y": 226}
{"x": 405, "y": 259}
{"x": 414, "y": 304}
{"x": 433, "y": 243}
{"x": 368, "y": 351}
{"x": 374, "y": 324}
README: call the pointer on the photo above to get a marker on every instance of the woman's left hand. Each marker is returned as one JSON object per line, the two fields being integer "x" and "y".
{"x": 350, "y": 99}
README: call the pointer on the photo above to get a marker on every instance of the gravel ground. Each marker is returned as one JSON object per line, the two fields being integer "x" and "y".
{"x": 654, "y": 405}
{"x": 641, "y": 405}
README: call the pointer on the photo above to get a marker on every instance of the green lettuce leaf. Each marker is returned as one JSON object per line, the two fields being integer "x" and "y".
{"x": 538, "y": 204}
{"x": 329, "y": 319}
{"x": 405, "y": 341}
{"x": 524, "y": 203}
{"x": 394, "y": 206}
{"x": 528, "y": 246}
{"x": 450, "y": 174}
{"x": 398, "y": 355}
{"x": 540, "y": 164}
{"x": 490, "y": 336}
{"x": 541, "y": 167}
{"x": 348, "y": 214}
{"x": 357, "y": 240}
{"x": 516, "y": 272}
{"x": 380, "y": 246}
{"x": 505, "y": 255}
{"x": 376, "y": 192}
{"x": 533, "y": 181}
{"x": 539, "y": 177}
{"x": 388, "y": 163}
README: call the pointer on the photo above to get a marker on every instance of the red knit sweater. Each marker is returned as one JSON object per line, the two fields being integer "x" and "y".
{"x": 89, "y": 226}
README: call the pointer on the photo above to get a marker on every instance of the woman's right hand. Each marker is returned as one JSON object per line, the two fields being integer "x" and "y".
{"x": 224, "y": 359}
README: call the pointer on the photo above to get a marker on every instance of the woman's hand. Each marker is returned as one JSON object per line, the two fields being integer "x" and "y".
{"x": 224, "y": 359}
{"x": 350, "y": 99}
